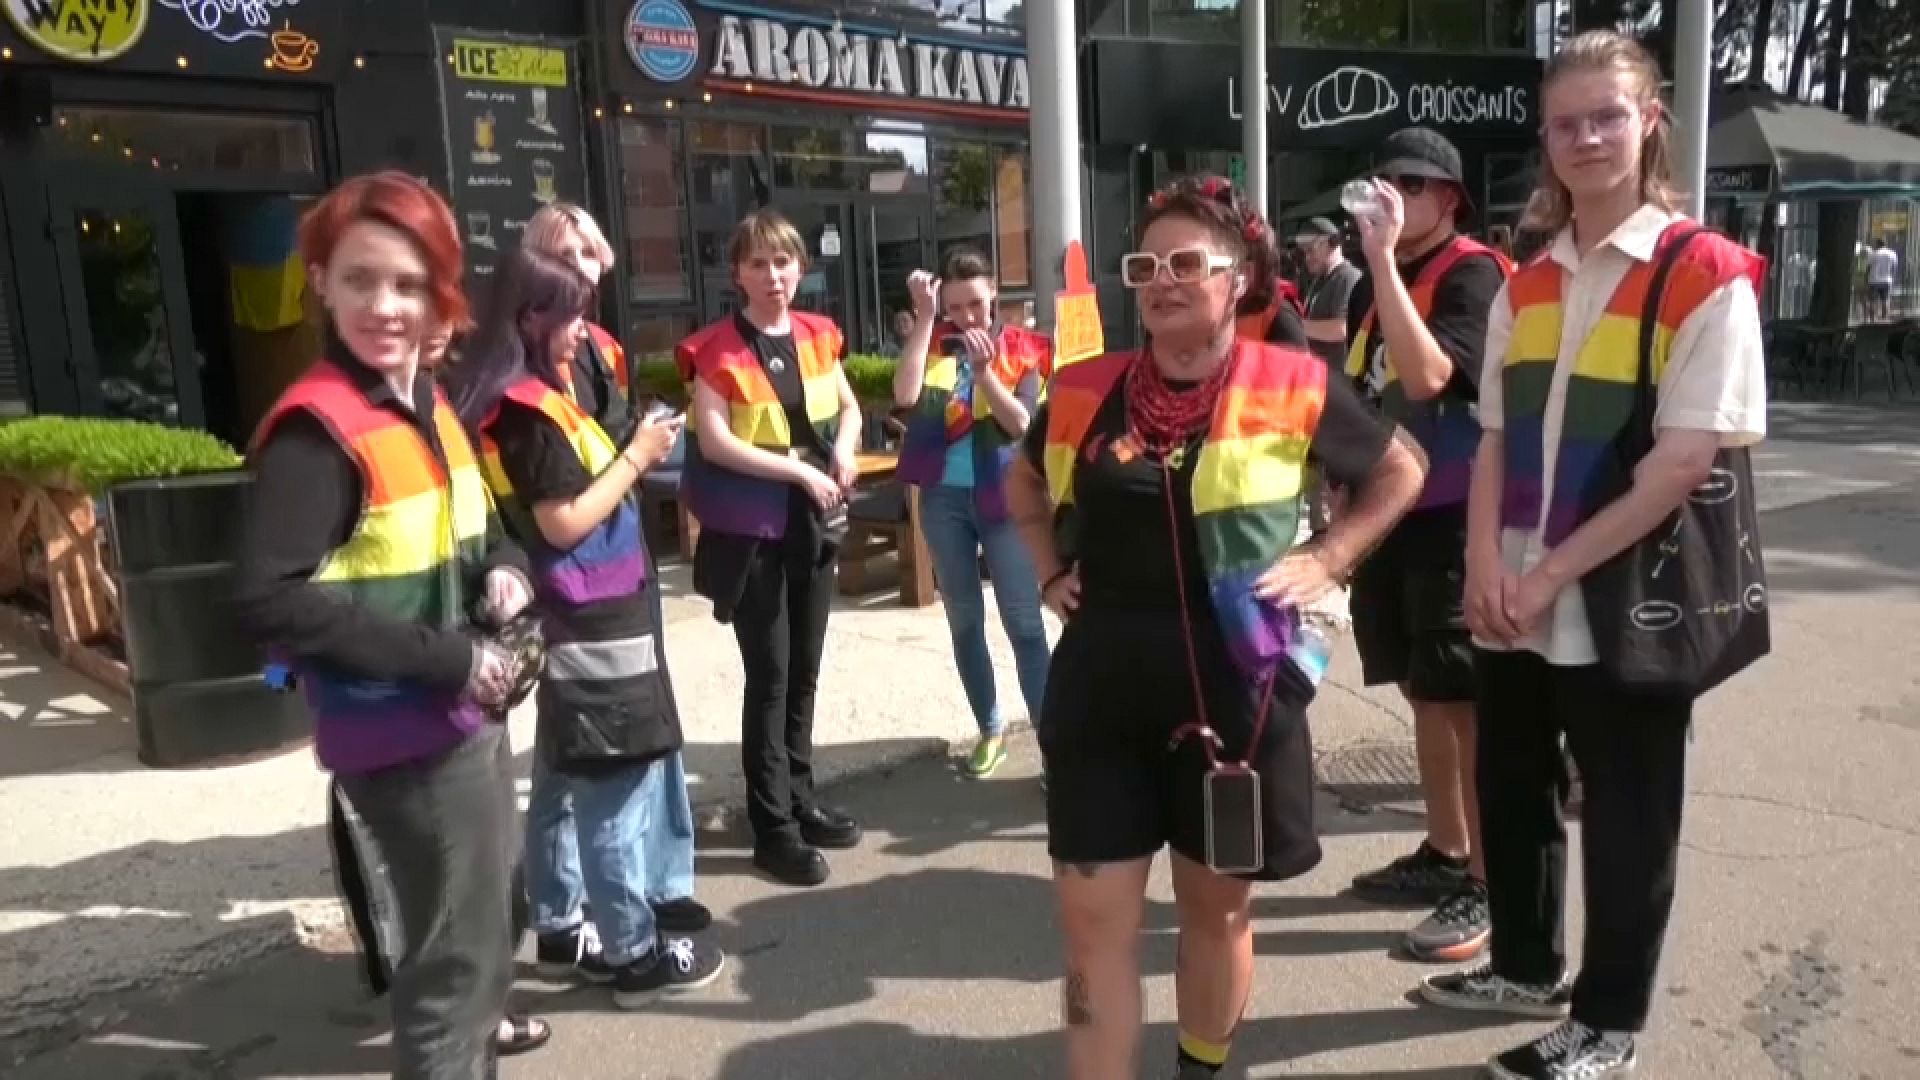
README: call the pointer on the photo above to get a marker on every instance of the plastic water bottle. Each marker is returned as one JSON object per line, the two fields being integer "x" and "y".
{"x": 1360, "y": 199}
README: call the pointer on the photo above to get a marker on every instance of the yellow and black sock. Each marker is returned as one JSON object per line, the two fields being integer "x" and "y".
{"x": 1197, "y": 1051}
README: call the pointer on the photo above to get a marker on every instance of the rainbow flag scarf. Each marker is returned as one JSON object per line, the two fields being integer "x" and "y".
{"x": 1247, "y": 488}
{"x": 731, "y": 502}
{"x": 421, "y": 537}
{"x": 1599, "y": 395}
{"x": 950, "y": 410}
{"x": 1447, "y": 430}
{"x": 611, "y": 562}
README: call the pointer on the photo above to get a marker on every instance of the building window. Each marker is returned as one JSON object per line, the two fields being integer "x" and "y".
{"x": 1194, "y": 20}
{"x": 1366, "y": 24}
{"x": 842, "y": 160}
{"x": 650, "y": 177}
{"x": 652, "y": 334}
{"x": 179, "y": 141}
{"x": 13, "y": 381}
{"x": 1509, "y": 24}
{"x": 727, "y": 179}
{"x": 963, "y": 200}
{"x": 1457, "y": 25}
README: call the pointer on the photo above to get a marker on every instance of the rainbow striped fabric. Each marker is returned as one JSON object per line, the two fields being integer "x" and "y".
{"x": 732, "y": 502}
{"x": 611, "y": 561}
{"x": 1447, "y": 430}
{"x": 1599, "y": 395}
{"x": 1247, "y": 488}
{"x": 944, "y": 417}
{"x": 421, "y": 537}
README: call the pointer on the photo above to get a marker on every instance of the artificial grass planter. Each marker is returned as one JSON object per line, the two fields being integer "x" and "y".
{"x": 90, "y": 454}
{"x": 871, "y": 377}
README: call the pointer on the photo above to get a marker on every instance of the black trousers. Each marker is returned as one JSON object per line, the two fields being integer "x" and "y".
{"x": 781, "y": 625}
{"x": 446, "y": 831}
{"x": 1631, "y": 752}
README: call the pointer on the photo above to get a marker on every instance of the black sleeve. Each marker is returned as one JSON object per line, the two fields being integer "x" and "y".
{"x": 1035, "y": 444}
{"x": 1458, "y": 320}
{"x": 305, "y": 502}
{"x": 1287, "y": 329}
{"x": 1351, "y": 437}
{"x": 539, "y": 463}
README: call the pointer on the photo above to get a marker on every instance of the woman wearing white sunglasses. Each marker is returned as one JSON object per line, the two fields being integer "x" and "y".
{"x": 1160, "y": 494}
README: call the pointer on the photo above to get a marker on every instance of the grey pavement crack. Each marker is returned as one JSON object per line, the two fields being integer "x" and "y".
{"x": 1782, "y": 804}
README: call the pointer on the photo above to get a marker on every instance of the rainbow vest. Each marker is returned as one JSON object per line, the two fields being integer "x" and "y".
{"x": 1247, "y": 487}
{"x": 1599, "y": 395}
{"x": 1447, "y": 430}
{"x": 944, "y": 417}
{"x": 731, "y": 502}
{"x": 611, "y": 562}
{"x": 422, "y": 535}
{"x": 614, "y": 356}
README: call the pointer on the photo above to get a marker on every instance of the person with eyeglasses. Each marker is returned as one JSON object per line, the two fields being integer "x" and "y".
{"x": 1552, "y": 504}
{"x": 1417, "y": 322}
{"x": 1329, "y": 288}
{"x": 971, "y": 401}
{"x": 1160, "y": 494}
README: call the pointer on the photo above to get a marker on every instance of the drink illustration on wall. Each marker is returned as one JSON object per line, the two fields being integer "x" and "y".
{"x": 539, "y": 120}
{"x": 480, "y": 230}
{"x": 484, "y": 139}
{"x": 543, "y": 180}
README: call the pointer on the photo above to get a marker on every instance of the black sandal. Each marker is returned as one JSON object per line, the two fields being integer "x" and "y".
{"x": 528, "y": 1033}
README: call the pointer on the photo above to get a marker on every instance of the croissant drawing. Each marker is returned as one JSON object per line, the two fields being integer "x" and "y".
{"x": 1345, "y": 95}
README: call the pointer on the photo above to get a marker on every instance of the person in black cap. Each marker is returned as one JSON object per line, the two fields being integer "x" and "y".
{"x": 1329, "y": 287}
{"x": 1417, "y": 322}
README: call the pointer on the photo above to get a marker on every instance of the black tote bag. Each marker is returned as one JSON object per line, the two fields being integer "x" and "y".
{"x": 1685, "y": 608}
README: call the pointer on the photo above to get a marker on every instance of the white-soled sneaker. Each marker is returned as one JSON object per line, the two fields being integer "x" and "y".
{"x": 1480, "y": 990}
{"x": 1572, "y": 1051}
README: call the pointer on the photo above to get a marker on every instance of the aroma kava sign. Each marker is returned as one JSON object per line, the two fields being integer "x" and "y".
{"x": 771, "y": 54}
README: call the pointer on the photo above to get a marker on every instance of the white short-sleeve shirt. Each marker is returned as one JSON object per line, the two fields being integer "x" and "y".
{"x": 1715, "y": 380}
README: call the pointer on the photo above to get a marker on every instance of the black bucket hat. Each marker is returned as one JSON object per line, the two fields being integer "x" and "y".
{"x": 1420, "y": 151}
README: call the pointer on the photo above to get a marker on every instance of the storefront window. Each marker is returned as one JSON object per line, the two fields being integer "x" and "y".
{"x": 655, "y": 243}
{"x": 1007, "y": 17}
{"x": 183, "y": 141}
{"x": 652, "y": 335}
{"x": 1194, "y": 20}
{"x": 842, "y": 160}
{"x": 1449, "y": 24}
{"x": 963, "y": 200}
{"x": 1508, "y": 24}
{"x": 1348, "y": 23}
{"x": 1012, "y": 219}
{"x": 729, "y": 179}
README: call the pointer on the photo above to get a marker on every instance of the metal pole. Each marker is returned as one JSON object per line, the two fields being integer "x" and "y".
{"x": 1253, "y": 99}
{"x": 1054, "y": 116}
{"x": 1693, "y": 74}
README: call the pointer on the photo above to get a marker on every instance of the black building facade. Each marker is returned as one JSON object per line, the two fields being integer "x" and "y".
{"x": 155, "y": 154}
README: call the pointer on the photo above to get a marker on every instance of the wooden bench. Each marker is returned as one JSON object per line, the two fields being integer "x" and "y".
{"x": 884, "y": 519}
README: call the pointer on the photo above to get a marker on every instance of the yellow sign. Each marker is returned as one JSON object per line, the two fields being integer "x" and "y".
{"x": 1077, "y": 333}
{"x": 1888, "y": 223}
{"x": 88, "y": 31}
{"x": 527, "y": 65}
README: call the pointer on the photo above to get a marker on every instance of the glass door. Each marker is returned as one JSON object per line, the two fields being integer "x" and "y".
{"x": 825, "y": 229}
{"x": 894, "y": 235}
{"x": 129, "y": 324}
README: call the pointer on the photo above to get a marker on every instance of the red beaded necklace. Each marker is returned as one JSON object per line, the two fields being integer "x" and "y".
{"x": 1163, "y": 417}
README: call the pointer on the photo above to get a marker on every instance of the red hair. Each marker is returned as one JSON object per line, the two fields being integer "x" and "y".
{"x": 400, "y": 202}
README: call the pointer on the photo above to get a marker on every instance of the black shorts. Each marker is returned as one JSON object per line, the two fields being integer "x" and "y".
{"x": 1409, "y": 613}
{"x": 1118, "y": 688}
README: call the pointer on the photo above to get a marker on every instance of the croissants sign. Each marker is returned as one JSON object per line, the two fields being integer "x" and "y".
{"x": 1187, "y": 96}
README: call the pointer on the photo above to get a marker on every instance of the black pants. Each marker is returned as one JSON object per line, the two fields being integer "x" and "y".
{"x": 1631, "y": 752}
{"x": 446, "y": 832}
{"x": 781, "y": 625}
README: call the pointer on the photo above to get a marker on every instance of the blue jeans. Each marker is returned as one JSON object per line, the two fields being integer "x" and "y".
{"x": 955, "y": 537}
{"x": 637, "y": 830}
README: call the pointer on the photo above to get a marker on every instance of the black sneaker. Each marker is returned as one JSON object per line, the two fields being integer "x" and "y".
{"x": 676, "y": 966}
{"x": 1572, "y": 1051}
{"x": 1424, "y": 877}
{"x": 574, "y": 954}
{"x": 1480, "y": 990}
{"x": 791, "y": 862}
{"x": 1457, "y": 931}
{"x": 827, "y": 828}
{"x": 683, "y": 916}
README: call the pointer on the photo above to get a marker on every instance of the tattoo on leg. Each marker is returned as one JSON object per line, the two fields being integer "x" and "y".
{"x": 1079, "y": 1009}
{"x": 1081, "y": 869}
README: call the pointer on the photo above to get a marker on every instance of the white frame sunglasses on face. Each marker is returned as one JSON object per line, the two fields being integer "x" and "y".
{"x": 1140, "y": 269}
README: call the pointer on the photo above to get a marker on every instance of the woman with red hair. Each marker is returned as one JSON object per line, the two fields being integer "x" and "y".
{"x": 372, "y": 562}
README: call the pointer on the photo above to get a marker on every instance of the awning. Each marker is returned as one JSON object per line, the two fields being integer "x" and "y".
{"x": 1761, "y": 142}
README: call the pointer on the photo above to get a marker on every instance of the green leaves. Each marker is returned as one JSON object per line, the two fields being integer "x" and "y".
{"x": 92, "y": 454}
{"x": 871, "y": 376}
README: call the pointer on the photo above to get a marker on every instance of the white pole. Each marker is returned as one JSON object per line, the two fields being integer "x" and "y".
{"x": 1693, "y": 75}
{"x": 1253, "y": 99}
{"x": 1054, "y": 116}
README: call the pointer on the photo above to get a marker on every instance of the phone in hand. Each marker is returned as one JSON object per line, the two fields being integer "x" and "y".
{"x": 953, "y": 345}
{"x": 660, "y": 412}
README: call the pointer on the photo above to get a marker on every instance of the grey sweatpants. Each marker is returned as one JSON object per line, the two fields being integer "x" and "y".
{"x": 446, "y": 833}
